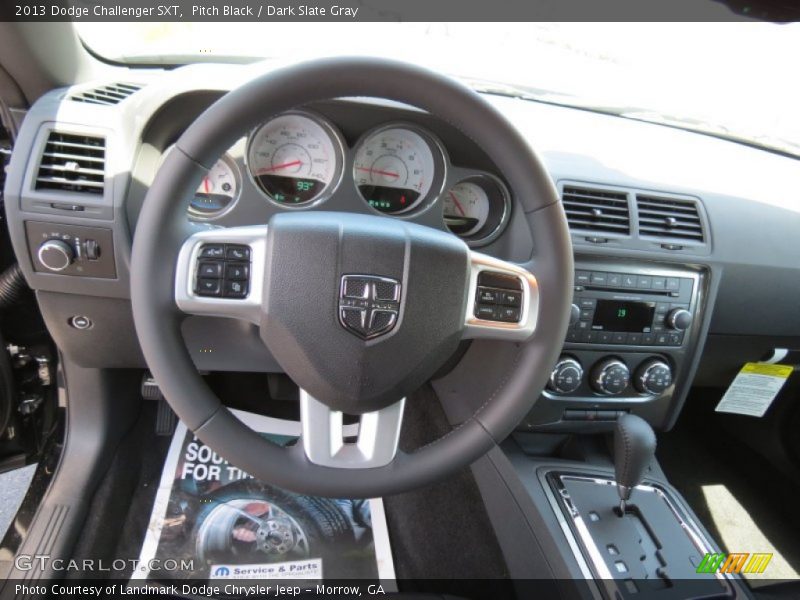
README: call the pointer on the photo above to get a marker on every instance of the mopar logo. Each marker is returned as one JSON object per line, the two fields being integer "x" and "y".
{"x": 222, "y": 572}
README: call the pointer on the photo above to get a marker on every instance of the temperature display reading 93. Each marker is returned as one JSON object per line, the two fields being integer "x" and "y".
{"x": 615, "y": 315}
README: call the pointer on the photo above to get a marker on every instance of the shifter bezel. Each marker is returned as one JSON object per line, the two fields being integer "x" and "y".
{"x": 582, "y": 544}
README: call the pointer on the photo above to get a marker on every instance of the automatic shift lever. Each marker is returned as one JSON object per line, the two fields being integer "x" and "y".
{"x": 634, "y": 447}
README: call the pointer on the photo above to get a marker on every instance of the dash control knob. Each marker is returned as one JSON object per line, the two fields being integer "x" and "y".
{"x": 610, "y": 376}
{"x": 653, "y": 377}
{"x": 679, "y": 319}
{"x": 56, "y": 255}
{"x": 566, "y": 376}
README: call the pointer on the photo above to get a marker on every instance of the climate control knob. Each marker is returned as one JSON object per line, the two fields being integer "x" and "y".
{"x": 566, "y": 376}
{"x": 56, "y": 255}
{"x": 610, "y": 376}
{"x": 679, "y": 319}
{"x": 653, "y": 377}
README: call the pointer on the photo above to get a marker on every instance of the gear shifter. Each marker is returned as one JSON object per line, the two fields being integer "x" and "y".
{"x": 634, "y": 447}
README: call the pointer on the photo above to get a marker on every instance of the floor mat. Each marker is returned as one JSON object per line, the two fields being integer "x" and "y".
{"x": 440, "y": 532}
{"x": 745, "y": 504}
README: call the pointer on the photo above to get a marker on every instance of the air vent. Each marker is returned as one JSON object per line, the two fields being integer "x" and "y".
{"x": 108, "y": 95}
{"x": 669, "y": 218}
{"x": 596, "y": 211}
{"x": 72, "y": 163}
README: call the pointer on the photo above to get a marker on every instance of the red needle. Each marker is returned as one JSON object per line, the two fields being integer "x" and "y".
{"x": 458, "y": 204}
{"x": 285, "y": 165}
{"x": 205, "y": 184}
{"x": 379, "y": 172}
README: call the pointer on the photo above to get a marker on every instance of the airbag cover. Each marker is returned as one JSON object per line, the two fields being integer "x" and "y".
{"x": 308, "y": 254}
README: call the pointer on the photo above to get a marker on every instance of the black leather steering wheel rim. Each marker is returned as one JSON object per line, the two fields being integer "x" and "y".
{"x": 161, "y": 230}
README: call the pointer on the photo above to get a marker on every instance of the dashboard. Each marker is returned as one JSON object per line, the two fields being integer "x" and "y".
{"x": 685, "y": 245}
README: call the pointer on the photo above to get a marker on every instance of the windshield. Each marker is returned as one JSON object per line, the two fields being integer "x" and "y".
{"x": 730, "y": 79}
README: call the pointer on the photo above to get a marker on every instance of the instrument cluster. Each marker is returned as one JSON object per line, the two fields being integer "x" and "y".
{"x": 300, "y": 159}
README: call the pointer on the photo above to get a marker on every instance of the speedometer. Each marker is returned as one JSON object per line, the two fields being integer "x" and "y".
{"x": 295, "y": 158}
{"x": 394, "y": 169}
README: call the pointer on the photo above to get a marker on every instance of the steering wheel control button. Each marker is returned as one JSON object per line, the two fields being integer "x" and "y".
{"x": 212, "y": 251}
{"x": 498, "y": 297}
{"x": 368, "y": 304}
{"x": 80, "y": 322}
{"x": 653, "y": 377}
{"x": 237, "y": 272}
{"x": 509, "y": 314}
{"x": 610, "y": 377}
{"x": 510, "y": 298}
{"x": 235, "y": 289}
{"x": 487, "y": 296}
{"x": 566, "y": 376}
{"x": 486, "y": 312}
{"x": 237, "y": 252}
{"x": 209, "y": 287}
{"x": 229, "y": 276}
{"x": 212, "y": 269}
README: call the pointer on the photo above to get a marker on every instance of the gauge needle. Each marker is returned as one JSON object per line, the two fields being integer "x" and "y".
{"x": 458, "y": 204}
{"x": 379, "y": 172}
{"x": 206, "y": 185}
{"x": 286, "y": 165}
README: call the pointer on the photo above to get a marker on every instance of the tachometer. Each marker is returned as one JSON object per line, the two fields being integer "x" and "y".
{"x": 394, "y": 169}
{"x": 295, "y": 158}
{"x": 216, "y": 192}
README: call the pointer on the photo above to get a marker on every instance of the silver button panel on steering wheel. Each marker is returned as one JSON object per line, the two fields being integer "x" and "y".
{"x": 220, "y": 272}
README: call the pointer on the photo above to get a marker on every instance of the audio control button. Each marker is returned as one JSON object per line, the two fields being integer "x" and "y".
{"x": 679, "y": 319}
{"x": 599, "y": 278}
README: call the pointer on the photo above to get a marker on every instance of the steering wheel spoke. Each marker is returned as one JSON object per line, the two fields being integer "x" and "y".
{"x": 324, "y": 440}
{"x": 220, "y": 273}
{"x": 503, "y": 300}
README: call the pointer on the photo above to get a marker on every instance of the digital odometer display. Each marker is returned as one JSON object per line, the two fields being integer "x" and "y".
{"x": 616, "y": 315}
{"x": 294, "y": 159}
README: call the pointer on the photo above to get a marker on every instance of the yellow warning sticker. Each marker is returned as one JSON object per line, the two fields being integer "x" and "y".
{"x": 782, "y": 371}
{"x": 754, "y": 389}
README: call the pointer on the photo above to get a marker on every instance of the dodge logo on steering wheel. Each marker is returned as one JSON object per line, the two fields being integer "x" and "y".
{"x": 368, "y": 305}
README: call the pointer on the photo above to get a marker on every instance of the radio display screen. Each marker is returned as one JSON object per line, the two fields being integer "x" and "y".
{"x": 616, "y": 315}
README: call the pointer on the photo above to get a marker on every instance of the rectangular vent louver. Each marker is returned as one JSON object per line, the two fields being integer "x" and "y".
{"x": 596, "y": 211}
{"x": 669, "y": 218}
{"x": 110, "y": 94}
{"x": 72, "y": 163}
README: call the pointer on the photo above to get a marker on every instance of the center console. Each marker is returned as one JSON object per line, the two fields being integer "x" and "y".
{"x": 633, "y": 330}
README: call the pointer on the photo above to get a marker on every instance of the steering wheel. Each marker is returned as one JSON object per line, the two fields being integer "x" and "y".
{"x": 358, "y": 310}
